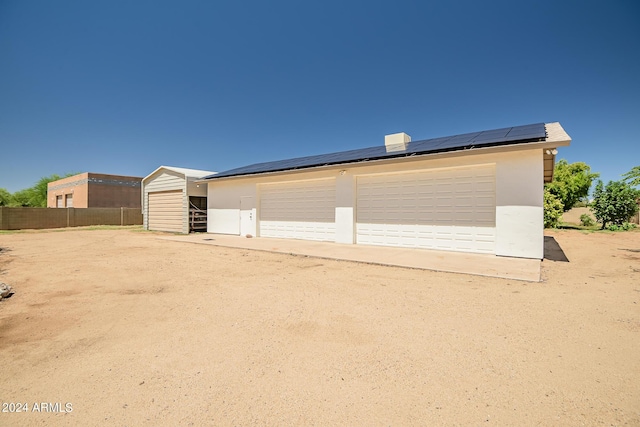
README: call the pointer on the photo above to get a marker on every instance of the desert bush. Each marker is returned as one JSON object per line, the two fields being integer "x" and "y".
{"x": 625, "y": 226}
{"x": 614, "y": 203}
{"x": 5, "y": 197}
{"x": 571, "y": 182}
{"x": 552, "y": 210}
{"x": 586, "y": 220}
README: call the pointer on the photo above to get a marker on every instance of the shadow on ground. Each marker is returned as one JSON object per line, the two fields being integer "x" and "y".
{"x": 553, "y": 251}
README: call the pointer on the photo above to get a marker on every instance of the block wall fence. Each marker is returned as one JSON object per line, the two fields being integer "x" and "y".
{"x": 40, "y": 218}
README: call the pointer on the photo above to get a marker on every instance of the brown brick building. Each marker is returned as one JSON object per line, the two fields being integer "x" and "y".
{"x": 95, "y": 190}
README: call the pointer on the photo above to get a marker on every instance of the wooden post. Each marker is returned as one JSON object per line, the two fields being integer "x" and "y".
{"x": 4, "y": 218}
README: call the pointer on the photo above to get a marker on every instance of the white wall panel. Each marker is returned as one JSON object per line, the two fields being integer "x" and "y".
{"x": 519, "y": 200}
{"x": 223, "y": 221}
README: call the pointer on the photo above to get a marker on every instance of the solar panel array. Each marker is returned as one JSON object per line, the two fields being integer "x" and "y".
{"x": 505, "y": 136}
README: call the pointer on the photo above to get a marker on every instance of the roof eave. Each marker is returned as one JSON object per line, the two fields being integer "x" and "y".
{"x": 556, "y": 137}
{"x": 158, "y": 169}
{"x": 180, "y": 171}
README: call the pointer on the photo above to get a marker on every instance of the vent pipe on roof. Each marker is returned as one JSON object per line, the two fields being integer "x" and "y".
{"x": 396, "y": 142}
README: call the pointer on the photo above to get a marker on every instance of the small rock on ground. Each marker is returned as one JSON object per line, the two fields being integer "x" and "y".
{"x": 5, "y": 291}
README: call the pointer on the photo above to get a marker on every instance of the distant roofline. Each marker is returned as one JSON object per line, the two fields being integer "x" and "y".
{"x": 96, "y": 173}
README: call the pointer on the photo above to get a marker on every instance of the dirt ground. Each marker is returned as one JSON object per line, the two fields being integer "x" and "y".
{"x": 118, "y": 327}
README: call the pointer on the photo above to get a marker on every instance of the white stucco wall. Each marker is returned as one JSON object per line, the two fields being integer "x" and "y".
{"x": 519, "y": 195}
{"x": 196, "y": 189}
{"x": 519, "y": 205}
{"x": 345, "y": 208}
{"x": 223, "y": 202}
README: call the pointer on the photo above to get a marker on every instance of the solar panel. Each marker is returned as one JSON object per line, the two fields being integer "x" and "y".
{"x": 490, "y": 135}
{"x": 518, "y": 134}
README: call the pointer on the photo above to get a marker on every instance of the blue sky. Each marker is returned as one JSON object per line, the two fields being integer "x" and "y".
{"x": 123, "y": 87}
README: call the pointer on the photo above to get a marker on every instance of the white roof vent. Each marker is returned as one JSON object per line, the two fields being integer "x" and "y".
{"x": 396, "y": 142}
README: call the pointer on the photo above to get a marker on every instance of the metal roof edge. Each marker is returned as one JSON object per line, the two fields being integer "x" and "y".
{"x": 187, "y": 173}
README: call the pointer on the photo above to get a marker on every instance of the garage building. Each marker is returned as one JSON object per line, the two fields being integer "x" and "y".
{"x": 173, "y": 201}
{"x": 94, "y": 190}
{"x": 480, "y": 192}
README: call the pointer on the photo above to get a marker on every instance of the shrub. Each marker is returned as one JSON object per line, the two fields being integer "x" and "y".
{"x": 614, "y": 203}
{"x": 552, "y": 210}
{"x": 571, "y": 182}
{"x": 5, "y": 197}
{"x": 586, "y": 220}
{"x": 625, "y": 226}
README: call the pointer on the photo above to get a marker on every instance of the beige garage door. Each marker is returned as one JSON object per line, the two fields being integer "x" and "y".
{"x": 299, "y": 210}
{"x": 165, "y": 211}
{"x": 452, "y": 209}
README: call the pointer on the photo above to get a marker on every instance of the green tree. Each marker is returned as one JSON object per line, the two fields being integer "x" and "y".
{"x": 21, "y": 198}
{"x": 35, "y": 196}
{"x": 552, "y": 210}
{"x": 38, "y": 192}
{"x": 5, "y": 197}
{"x": 614, "y": 203}
{"x": 633, "y": 176}
{"x": 571, "y": 182}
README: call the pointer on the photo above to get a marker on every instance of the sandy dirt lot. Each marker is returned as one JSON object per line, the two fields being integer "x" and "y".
{"x": 122, "y": 328}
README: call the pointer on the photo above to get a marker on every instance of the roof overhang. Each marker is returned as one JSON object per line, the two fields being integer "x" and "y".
{"x": 557, "y": 137}
{"x": 186, "y": 173}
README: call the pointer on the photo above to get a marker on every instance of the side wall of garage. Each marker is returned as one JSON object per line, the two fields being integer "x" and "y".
{"x": 223, "y": 202}
{"x": 483, "y": 203}
{"x": 519, "y": 205}
{"x": 165, "y": 202}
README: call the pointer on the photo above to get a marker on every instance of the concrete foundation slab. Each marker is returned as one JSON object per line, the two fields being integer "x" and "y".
{"x": 452, "y": 262}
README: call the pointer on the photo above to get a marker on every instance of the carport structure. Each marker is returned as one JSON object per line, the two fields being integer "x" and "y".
{"x": 173, "y": 201}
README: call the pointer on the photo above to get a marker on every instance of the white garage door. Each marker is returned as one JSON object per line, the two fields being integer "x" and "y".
{"x": 452, "y": 209}
{"x": 299, "y": 210}
{"x": 165, "y": 211}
